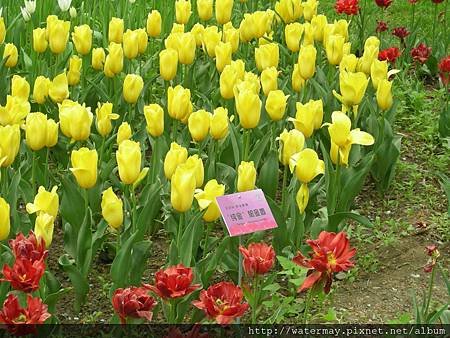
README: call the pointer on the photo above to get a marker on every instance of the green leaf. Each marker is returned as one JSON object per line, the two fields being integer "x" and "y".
{"x": 268, "y": 175}
{"x": 335, "y": 219}
{"x": 121, "y": 264}
{"x": 140, "y": 254}
{"x": 237, "y": 144}
{"x": 79, "y": 282}
{"x": 84, "y": 245}
{"x": 191, "y": 239}
{"x": 150, "y": 210}
{"x": 258, "y": 150}
{"x": 72, "y": 207}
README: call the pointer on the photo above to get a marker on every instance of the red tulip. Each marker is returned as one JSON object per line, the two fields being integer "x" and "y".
{"x": 421, "y": 53}
{"x": 349, "y": 7}
{"x": 28, "y": 247}
{"x": 13, "y": 316}
{"x": 444, "y": 70}
{"x": 24, "y": 274}
{"x": 259, "y": 258}
{"x": 383, "y": 3}
{"x": 173, "y": 282}
{"x": 133, "y": 302}
{"x": 222, "y": 301}
{"x": 381, "y": 26}
{"x": 400, "y": 32}
{"x": 390, "y": 54}
{"x": 331, "y": 253}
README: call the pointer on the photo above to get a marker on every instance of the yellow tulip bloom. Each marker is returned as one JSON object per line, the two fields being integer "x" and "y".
{"x": 335, "y": 49}
{"x": 82, "y": 39}
{"x": 318, "y": 23}
{"x": 98, "y": 58}
{"x": 384, "y": 95}
{"x": 20, "y": 87}
{"x": 267, "y": 56}
{"x": 75, "y": 120}
{"x": 378, "y": 72}
{"x": 115, "y": 30}
{"x": 198, "y": 124}
{"x": 223, "y": 53}
{"x": 183, "y": 11}
{"x": 308, "y": 117}
{"x": 269, "y": 80}
{"x": 307, "y": 61}
{"x": 205, "y": 9}
{"x": 219, "y": 123}
{"x": 179, "y": 103}
{"x": 9, "y": 144}
{"x": 43, "y": 228}
{"x": 154, "y": 24}
{"x": 276, "y": 104}
{"x": 104, "y": 116}
{"x": 297, "y": 81}
{"x": 40, "y": 89}
{"x": 124, "y": 132}
{"x": 293, "y": 33}
{"x": 59, "y": 88}
{"x": 36, "y": 131}
{"x": 132, "y": 88}
{"x": 74, "y": 73}
{"x": 353, "y": 87}
{"x": 84, "y": 167}
{"x": 58, "y": 36}
{"x": 291, "y": 142}
{"x": 176, "y": 156}
{"x": 154, "y": 117}
{"x": 52, "y": 133}
{"x": 15, "y": 110}
{"x": 246, "y": 176}
{"x": 45, "y": 202}
{"x": 11, "y": 54}
{"x": 112, "y": 208}
{"x": 224, "y": 9}
{"x": 211, "y": 38}
{"x": 168, "y": 64}
{"x": 248, "y": 107}
{"x": 129, "y": 159}
{"x": 5, "y": 217}
{"x": 207, "y": 200}
{"x": 40, "y": 42}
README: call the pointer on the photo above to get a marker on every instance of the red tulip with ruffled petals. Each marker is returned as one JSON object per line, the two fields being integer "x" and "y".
{"x": 173, "y": 282}
{"x": 134, "y": 302}
{"x": 390, "y": 54}
{"x": 258, "y": 258}
{"x": 14, "y": 317}
{"x": 383, "y": 3}
{"x": 331, "y": 253}
{"x": 421, "y": 53}
{"x": 381, "y": 26}
{"x": 222, "y": 302}
{"x": 444, "y": 70}
{"x": 400, "y": 32}
{"x": 24, "y": 274}
{"x": 349, "y": 7}
{"x": 29, "y": 247}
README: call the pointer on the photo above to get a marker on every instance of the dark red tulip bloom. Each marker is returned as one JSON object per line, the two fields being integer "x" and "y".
{"x": 444, "y": 70}
{"x": 259, "y": 258}
{"x": 400, "y": 32}
{"x": 390, "y": 54}
{"x": 173, "y": 282}
{"x": 331, "y": 253}
{"x": 29, "y": 247}
{"x": 381, "y": 26}
{"x": 383, "y": 3}
{"x": 222, "y": 302}
{"x": 14, "y": 317}
{"x": 421, "y": 53}
{"x": 134, "y": 302}
{"x": 349, "y": 7}
{"x": 24, "y": 274}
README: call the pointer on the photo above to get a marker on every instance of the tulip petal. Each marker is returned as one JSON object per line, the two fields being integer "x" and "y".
{"x": 293, "y": 161}
{"x": 141, "y": 176}
{"x": 361, "y": 137}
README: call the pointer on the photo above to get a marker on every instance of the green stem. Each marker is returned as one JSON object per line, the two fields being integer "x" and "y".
{"x": 180, "y": 229}
{"x": 205, "y": 248}
{"x": 434, "y": 26}
{"x": 256, "y": 292}
{"x": 86, "y": 199}
{"x": 155, "y": 155}
{"x": 133, "y": 208}
{"x": 46, "y": 169}
{"x": 307, "y": 306}
{"x": 174, "y": 129}
{"x": 33, "y": 172}
{"x": 430, "y": 290}
{"x": 246, "y": 144}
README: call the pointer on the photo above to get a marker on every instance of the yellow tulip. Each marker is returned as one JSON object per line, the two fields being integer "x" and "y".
{"x": 328, "y": 30}
{"x": 348, "y": 63}
{"x": 248, "y": 106}
{"x": 112, "y": 208}
{"x": 207, "y": 200}
{"x": 307, "y": 165}
{"x": 347, "y": 48}
{"x": 45, "y": 202}
{"x": 302, "y": 197}
{"x": 341, "y": 28}
{"x": 20, "y": 87}
{"x": 276, "y": 104}
{"x": 74, "y": 73}
{"x": 176, "y": 156}
{"x": 228, "y": 79}
{"x": 132, "y": 88}
{"x": 293, "y": 33}
{"x": 342, "y": 137}
{"x": 40, "y": 89}
{"x": 9, "y": 144}
{"x": 239, "y": 68}
{"x": 269, "y": 80}
{"x": 384, "y": 95}
{"x": 289, "y": 10}
{"x": 211, "y": 38}
{"x": 168, "y": 64}
{"x": 352, "y": 86}
{"x": 182, "y": 188}
{"x": 124, "y": 132}
{"x": 335, "y": 49}
{"x": 186, "y": 48}
{"x": 43, "y": 228}
{"x": 198, "y": 124}
{"x": 231, "y": 35}
{"x": 36, "y": 131}
{"x": 11, "y": 54}
{"x": 246, "y": 176}
{"x": 182, "y": 11}
{"x": 142, "y": 40}
{"x": 247, "y": 28}
{"x": 223, "y": 53}
{"x": 82, "y": 39}
{"x": 176, "y": 28}
{"x": 251, "y": 82}
{"x": 308, "y": 34}
{"x": 40, "y": 42}
{"x": 308, "y": 117}
{"x": 297, "y": 81}
{"x": 98, "y": 58}
{"x": 291, "y": 143}
{"x": 52, "y": 133}
{"x": 219, "y": 123}
{"x": 309, "y": 9}
{"x": 2, "y": 30}
{"x": 154, "y": 117}
{"x": 129, "y": 162}
{"x": 59, "y": 88}
{"x": 75, "y": 120}
{"x": 15, "y": 111}
{"x": 115, "y": 30}
{"x": 58, "y": 35}
{"x": 369, "y": 56}
{"x": 114, "y": 60}
{"x": 205, "y": 9}
{"x": 307, "y": 61}
{"x": 224, "y": 8}
{"x": 179, "y": 103}
{"x": 195, "y": 164}
{"x": 267, "y": 56}
{"x": 84, "y": 167}
{"x": 261, "y": 22}
{"x": 104, "y": 116}
{"x": 372, "y": 41}
{"x": 197, "y": 30}
{"x": 378, "y": 72}
{"x": 5, "y": 218}
{"x": 154, "y": 24}
{"x": 130, "y": 44}
{"x": 318, "y": 23}
{"x": 51, "y": 21}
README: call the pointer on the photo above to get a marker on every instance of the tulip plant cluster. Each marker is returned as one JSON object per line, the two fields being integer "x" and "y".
{"x": 115, "y": 128}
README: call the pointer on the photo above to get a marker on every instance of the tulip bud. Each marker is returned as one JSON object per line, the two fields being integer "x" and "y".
{"x": 36, "y": 131}
{"x": 58, "y": 35}
{"x": 247, "y": 28}
{"x": 154, "y": 24}
{"x": 223, "y": 55}
{"x": 307, "y": 61}
{"x": 179, "y": 103}
{"x": 291, "y": 143}
{"x": 2, "y": 30}
{"x": 318, "y": 24}
{"x": 154, "y": 116}
{"x": 114, "y": 60}
{"x": 205, "y": 9}
{"x": 307, "y": 165}
{"x": 20, "y": 87}
{"x": 130, "y": 44}
{"x": 59, "y": 88}
{"x": 207, "y": 200}
{"x": 176, "y": 156}
{"x": 74, "y": 73}
{"x": 82, "y": 39}
{"x": 73, "y": 12}
{"x": 112, "y": 208}
{"x": 309, "y": 9}
{"x": 45, "y": 202}
{"x": 353, "y": 87}
{"x": 40, "y": 89}
{"x": 219, "y": 123}
{"x": 186, "y": 48}
{"x": 168, "y": 64}
{"x": 297, "y": 81}
{"x": 124, "y": 132}
{"x": 129, "y": 162}
{"x": 211, "y": 38}
{"x": 104, "y": 115}
{"x": 195, "y": 164}
{"x": 5, "y": 220}
{"x": 115, "y": 30}
{"x": 224, "y": 8}
{"x": 267, "y": 56}
{"x": 11, "y": 54}
{"x": 75, "y": 120}
{"x": 98, "y": 58}
{"x": 182, "y": 11}
{"x": 52, "y": 133}
{"x": 369, "y": 56}
{"x": 378, "y": 72}
{"x": 269, "y": 80}
{"x": 197, "y": 30}
{"x": 289, "y": 10}
{"x": 84, "y": 167}
{"x": 9, "y": 144}
{"x": 308, "y": 116}
{"x": 293, "y": 33}
{"x": 228, "y": 79}
{"x": 198, "y": 124}
{"x": 132, "y": 88}
{"x": 276, "y": 104}
{"x": 246, "y": 176}
{"x": 142, "y": 40}
{"x": 384, "y": 95}
{"x": 335, "y": 49}
{"x": 39, "y": 40}
{"x": 248, "y": 106}
{"x": 231, "y": 35}
{"x": 182, "y": 188}
{"x": 43, "y": 228}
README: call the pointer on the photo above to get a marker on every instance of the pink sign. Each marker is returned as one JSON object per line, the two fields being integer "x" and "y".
{"x": 246, "y": 212}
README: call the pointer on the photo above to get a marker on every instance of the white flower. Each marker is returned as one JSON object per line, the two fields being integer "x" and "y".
{"x": 73, "y": 12}
{"x": 30, "y": 6}
{"x": 25, "y": 14}
{"x": 64, "y": 5}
